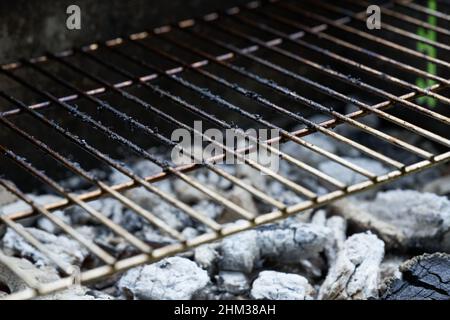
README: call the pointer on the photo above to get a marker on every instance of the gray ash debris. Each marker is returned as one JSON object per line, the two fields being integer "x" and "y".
{"x": 404, "y": 219}
{"x": 346, "y": 250}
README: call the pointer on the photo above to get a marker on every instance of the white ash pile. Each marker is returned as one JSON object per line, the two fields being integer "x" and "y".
{"x": 349, "y": 250}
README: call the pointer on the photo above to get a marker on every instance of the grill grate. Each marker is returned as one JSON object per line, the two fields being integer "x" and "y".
{"x": 266, "y": 39}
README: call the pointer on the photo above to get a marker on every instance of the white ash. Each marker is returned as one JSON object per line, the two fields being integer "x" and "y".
{"x": 271, "y": 285}
{"x": 349, "y": 176}
{"x": 236, "y": 283}
{"x": 170, "y": 279}
{"x": 15, "y": 283}
{"x": 66, "y": 249}
{"x": 291, "y": 246}
{"x": 403, "y": 218}
{"x": 355, "y": 274}
{"x": 338, "y": 227}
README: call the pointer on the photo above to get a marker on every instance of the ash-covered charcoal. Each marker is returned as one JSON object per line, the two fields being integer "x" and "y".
{"x": 209, "y": 209}
{"x": 14, "y": 283}
{"x": 6, "y": 197}
{"x": 76, "y": 293}
{"x": 147, "y": 199}
{"x": 213, "y": 292}
{"x": 306, "y": 155}
{"x": 279, "y": 192}
{"x": 236, "y": 283}
{"x": 241, "y": 198}
{"x": 169, "y": 279}
{"x": 48, "y": 226}
{"x": 439, "y": 186}
{"x": 111, "y": 208}
{"x": 154, "y": 237}
{"x": 389, "y": 269}
{"x": 206, "y": 256}
{"x": 355, "y": 273}
{"x": 19, "y": 206}
{"x": 290, "y": 243}
{"x": 348, "y": 176}
{"x": 284, "y": 242}
{"x": 271, "y": 285}
{"x": 402, "y": 218}
{"x": 187, "y": 193}
{"x": 338, "y": 228}
{"x": 425, "y": 277}
{"x": 208, "y": 179}
{"x": 141, "y": 168}
{"x": 255, "y": 177}
{"x": 240, "y": 252}
{"x": 174, "y": 217}
{"x": 66, "y": 249}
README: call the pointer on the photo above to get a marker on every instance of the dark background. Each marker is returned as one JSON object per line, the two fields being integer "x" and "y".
{"x": 30, "y": 27}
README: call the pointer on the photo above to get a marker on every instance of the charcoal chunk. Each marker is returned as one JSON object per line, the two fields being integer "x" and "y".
{"x": 426, "y": 277}
{"x": 286, "y": 243}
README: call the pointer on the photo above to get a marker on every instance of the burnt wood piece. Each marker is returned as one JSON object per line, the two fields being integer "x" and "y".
{"x": 425, "y": 277}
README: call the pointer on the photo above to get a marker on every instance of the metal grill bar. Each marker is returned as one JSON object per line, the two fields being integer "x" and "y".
{"x": 403, "y": 17}
{"x": 422, "y": 9}
{"x": 322, "y": 88}
{"x": 337, "y": 57}
{"x": 366, "y": 35}
{"x": 385, "y": 26}
{"x": 229, "y": 23}
{"x": 352, "y": 81}
{"x": 322, "y": 109}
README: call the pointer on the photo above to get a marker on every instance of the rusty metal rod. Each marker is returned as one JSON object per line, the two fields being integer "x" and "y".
{"x": 362, "y": 34}
{"x": 290, "y": 93}
{"x": 342, "y": 77}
